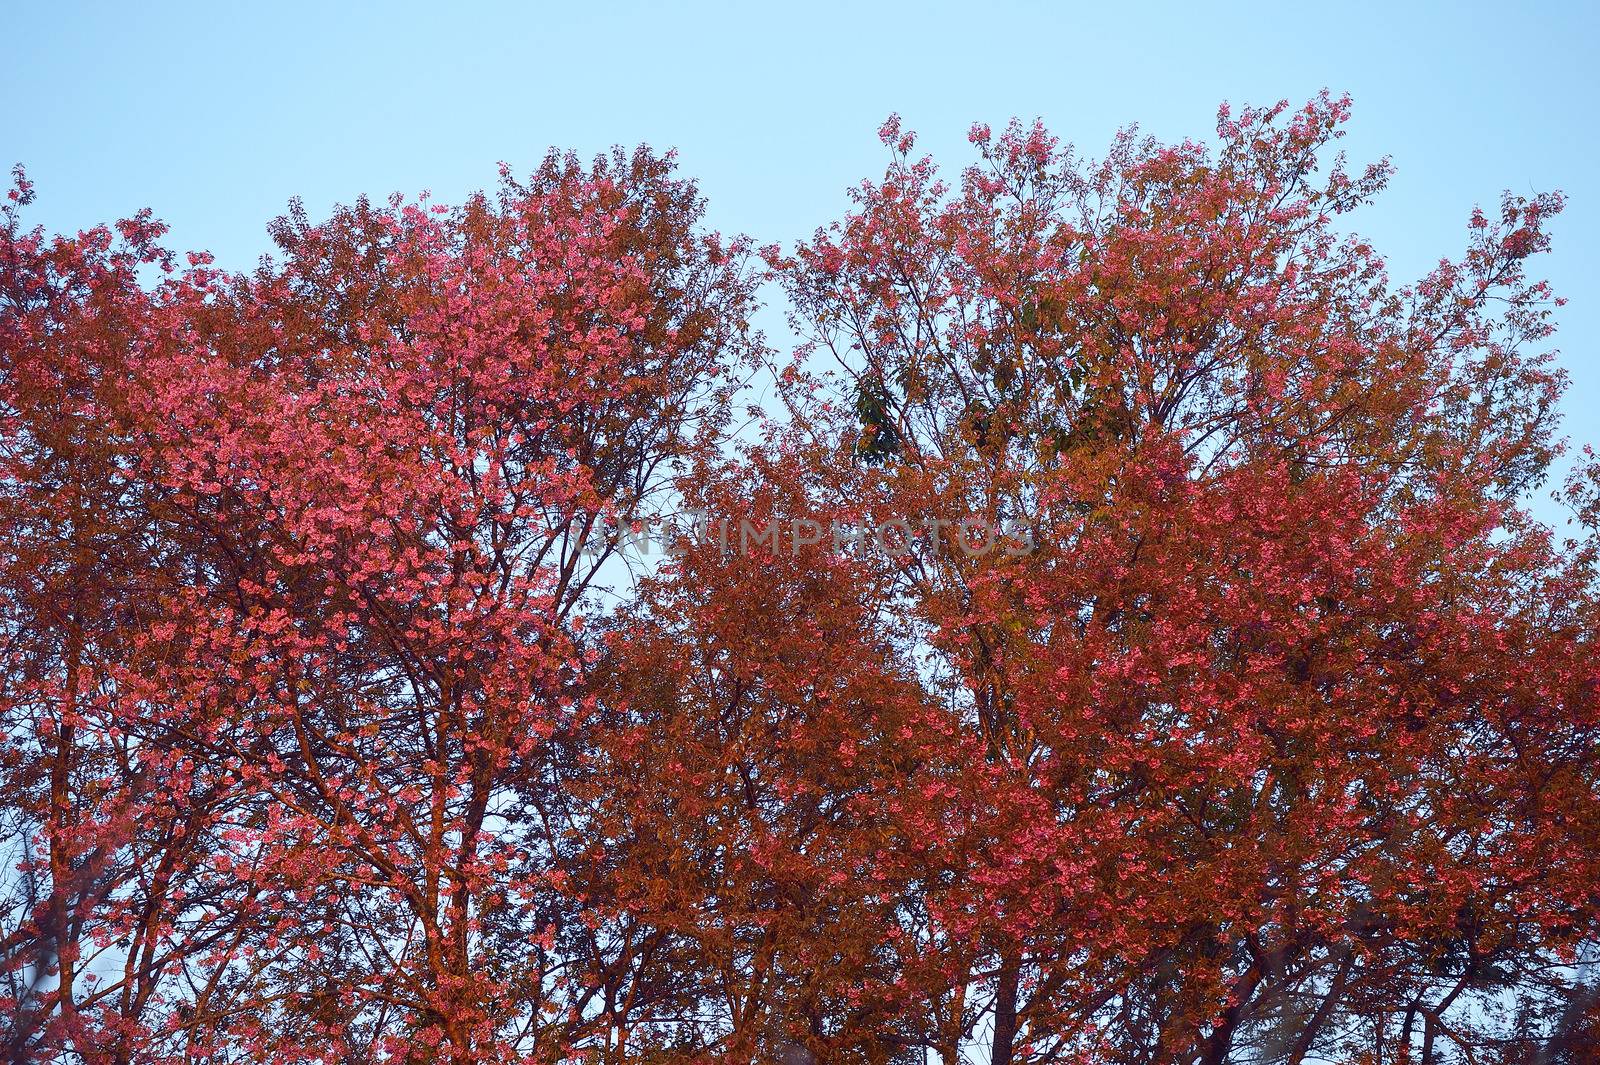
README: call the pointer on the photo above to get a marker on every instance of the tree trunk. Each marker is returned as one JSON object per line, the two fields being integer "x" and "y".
{"x": 1005, "y": 1010}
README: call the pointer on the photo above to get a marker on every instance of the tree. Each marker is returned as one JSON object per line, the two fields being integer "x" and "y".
{"x": 102, "y": 832}
{"x": 1277, "y": 714}
{"x": 770, "y": 780}
{"x": 386, "y": 471}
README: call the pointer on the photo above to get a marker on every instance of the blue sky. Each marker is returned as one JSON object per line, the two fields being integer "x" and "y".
{"x": 216, "y": 114}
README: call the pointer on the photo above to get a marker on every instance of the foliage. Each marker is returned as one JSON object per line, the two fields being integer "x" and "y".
{"x": 324, "y": 740}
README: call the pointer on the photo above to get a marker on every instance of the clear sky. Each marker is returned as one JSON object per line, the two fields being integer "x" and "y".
{"x": 216, "y": 114}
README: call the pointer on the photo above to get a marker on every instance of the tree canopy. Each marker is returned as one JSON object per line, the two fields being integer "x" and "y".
{"x": 1126, "y": 640}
